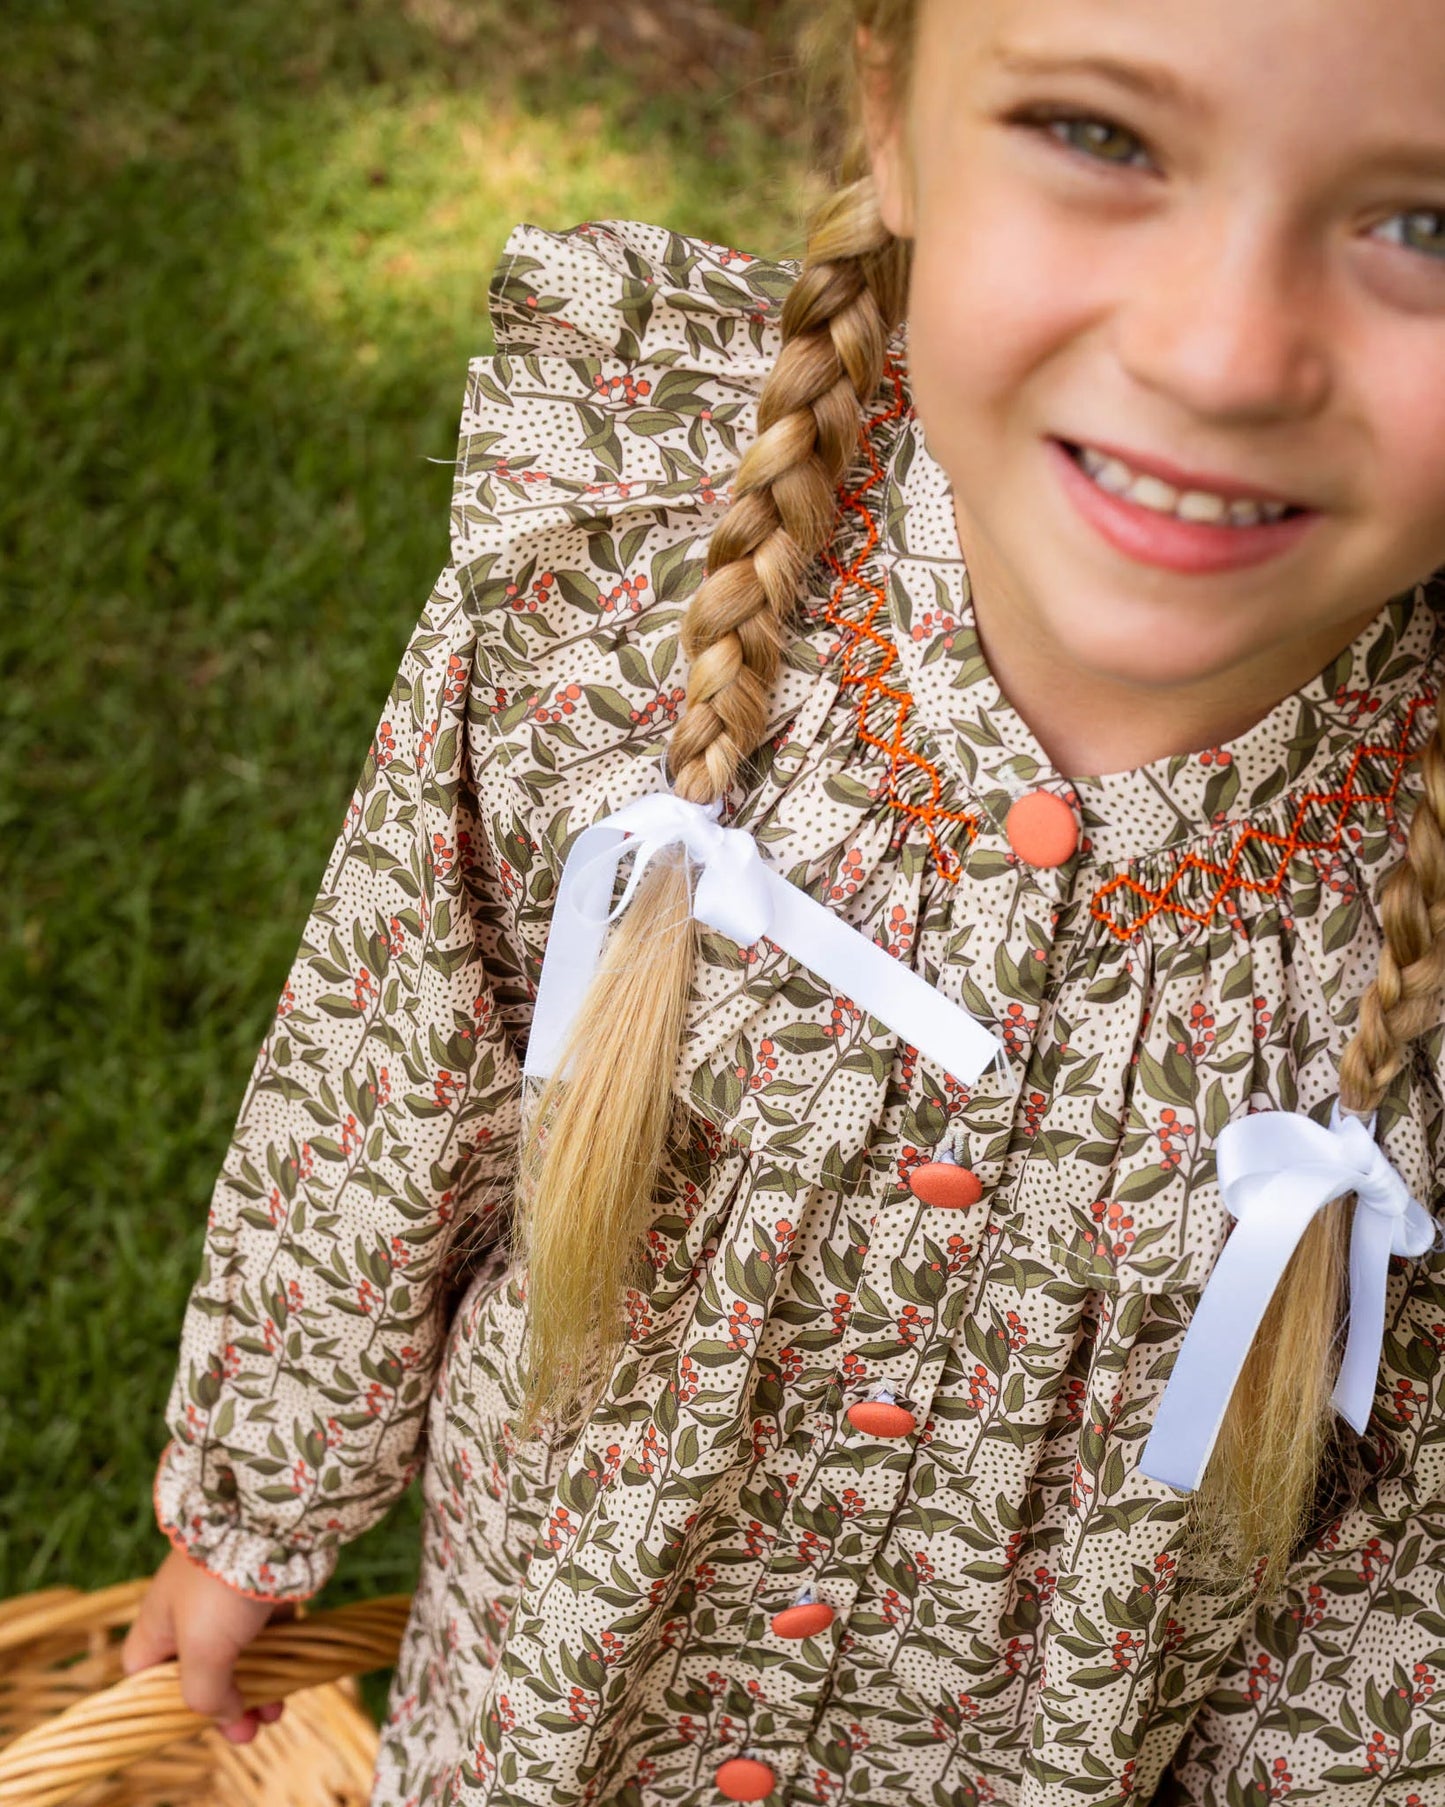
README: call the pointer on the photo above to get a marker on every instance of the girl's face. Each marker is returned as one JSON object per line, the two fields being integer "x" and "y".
{"x": 1226, "y": 257}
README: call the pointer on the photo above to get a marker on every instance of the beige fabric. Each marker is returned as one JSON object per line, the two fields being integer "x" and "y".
{"x": 1013, "y": 1625}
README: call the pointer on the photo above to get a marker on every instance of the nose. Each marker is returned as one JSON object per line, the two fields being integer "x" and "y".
{"x": 1226, "y": 321}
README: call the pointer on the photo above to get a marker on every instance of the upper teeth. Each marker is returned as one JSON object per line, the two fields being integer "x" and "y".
{"x": 1189, "y": 505}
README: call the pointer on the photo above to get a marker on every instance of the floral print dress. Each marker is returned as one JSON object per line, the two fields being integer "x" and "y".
{"x": 993, "y": 1603}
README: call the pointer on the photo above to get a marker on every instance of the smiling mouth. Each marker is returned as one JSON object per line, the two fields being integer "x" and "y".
{"x": 1196, "y": 507}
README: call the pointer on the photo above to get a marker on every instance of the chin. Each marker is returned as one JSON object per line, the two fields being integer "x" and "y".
{"x": 1147, "y": 654}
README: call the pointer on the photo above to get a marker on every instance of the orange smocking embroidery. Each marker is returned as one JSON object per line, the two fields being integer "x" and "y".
{"x": 874, "y": 684}
{"x": 1230, "y": 880}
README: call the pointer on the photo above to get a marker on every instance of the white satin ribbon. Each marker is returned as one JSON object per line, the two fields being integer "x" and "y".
{"x": 738, "y": 894}
{"x": 1276, "y": 1169}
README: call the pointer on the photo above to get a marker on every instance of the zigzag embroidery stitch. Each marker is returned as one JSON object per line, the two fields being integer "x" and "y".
{"x": 1289, "y": 844}
{"x": 874, "y": 685}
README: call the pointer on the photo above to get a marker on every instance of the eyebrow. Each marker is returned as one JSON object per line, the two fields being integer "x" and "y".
{"x": 1150, "y": 80}
{"x": 1154, "y": 82}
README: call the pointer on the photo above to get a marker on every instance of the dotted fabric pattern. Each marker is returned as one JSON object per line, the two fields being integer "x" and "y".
{"x": 1011, "y": 1622}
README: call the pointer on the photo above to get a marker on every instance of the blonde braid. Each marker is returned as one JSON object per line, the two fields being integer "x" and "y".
{"x": 834, "y": 338}
{"x": 1402, "y": 1002}
{"x": 1254, "y": 1502}
{"x": 590, "y": 1164}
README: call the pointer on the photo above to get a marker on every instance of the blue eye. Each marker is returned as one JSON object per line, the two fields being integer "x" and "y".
{"x": 1437, "y": 238}
{"x": 1094, "y": 146}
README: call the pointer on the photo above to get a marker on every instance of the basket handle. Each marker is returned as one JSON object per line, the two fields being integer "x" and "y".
{"x": 139, "y": 1714}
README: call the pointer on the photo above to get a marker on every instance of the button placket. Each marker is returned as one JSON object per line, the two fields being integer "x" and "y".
{"x": 842, "y": 1451}
{"x": 808, "y": 1591}
{"x": 907, "y": 1370}
{"x": 857, "y": 1461}
{"x": 891, "y": 1410}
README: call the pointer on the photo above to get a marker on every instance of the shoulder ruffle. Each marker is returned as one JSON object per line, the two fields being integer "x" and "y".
{"x": 620, "y": 288}
{"x": 625, "y": 383}
{"x": 596, "y": 448}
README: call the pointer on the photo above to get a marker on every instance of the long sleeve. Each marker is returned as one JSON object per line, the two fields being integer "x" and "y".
{"x": 380, "y": 1118}
{"x": 377, "y": 1136}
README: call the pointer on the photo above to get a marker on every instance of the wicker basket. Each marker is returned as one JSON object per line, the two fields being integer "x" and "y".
{"x": 74, "y": 1727}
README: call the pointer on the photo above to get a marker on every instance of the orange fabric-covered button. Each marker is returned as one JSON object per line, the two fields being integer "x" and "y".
{"x": 1042, "y": 829}
{"x": 880, "y": 1419}
{"x": 744, "y": 1779}
{"x": 803, "y": 1621}
{"x": 945, "y": 1184}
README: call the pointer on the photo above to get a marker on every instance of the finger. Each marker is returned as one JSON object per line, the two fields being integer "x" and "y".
{"x": 151, "y": 1638}
{"x": 242, "y": 1730}
{"x": 207, "y": 1681}
{"x": 270, "y": 1713}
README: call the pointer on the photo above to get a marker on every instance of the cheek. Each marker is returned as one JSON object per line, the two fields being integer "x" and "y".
{"x": 996, "y": 297}
{"x": 1410, "y": 459}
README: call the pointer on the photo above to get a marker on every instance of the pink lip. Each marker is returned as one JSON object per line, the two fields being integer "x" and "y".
{"x": 1152, "y": 538}
{"x": 1180, "y": 479}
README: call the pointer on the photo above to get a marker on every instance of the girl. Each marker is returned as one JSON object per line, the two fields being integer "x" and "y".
{"x": 1023, "y": 617}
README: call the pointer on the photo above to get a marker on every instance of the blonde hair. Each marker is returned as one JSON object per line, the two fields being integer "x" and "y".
{"x": 595, "y": 1142}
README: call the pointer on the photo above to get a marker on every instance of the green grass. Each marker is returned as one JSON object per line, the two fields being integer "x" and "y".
{"x": 244, "y": 255}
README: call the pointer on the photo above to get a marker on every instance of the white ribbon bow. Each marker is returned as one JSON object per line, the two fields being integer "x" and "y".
{"x": 1276, "y": 1169}
{"x": 739, "y": 895}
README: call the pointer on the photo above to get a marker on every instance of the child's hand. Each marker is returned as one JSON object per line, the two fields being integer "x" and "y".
{"x": 191, "y": 1615}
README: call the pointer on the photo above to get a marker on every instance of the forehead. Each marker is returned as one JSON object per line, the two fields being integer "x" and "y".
{"x": 1369, "y": 62}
